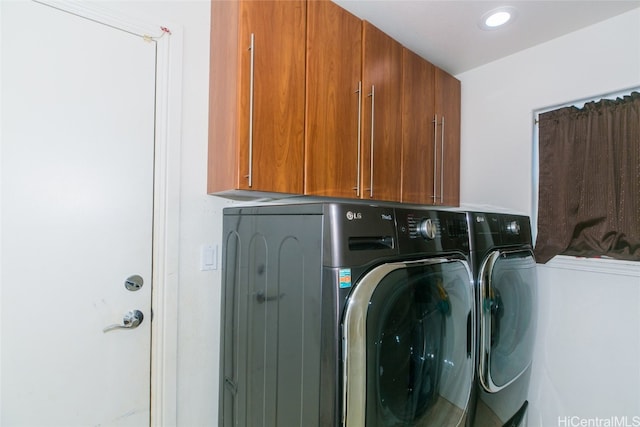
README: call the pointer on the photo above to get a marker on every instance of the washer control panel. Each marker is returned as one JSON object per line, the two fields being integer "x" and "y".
{"x": 426, "y": 230}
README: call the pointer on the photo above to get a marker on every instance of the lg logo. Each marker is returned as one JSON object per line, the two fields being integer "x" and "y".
{"x": 354, "y": 215}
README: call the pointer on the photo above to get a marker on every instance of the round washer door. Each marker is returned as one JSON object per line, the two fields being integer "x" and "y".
{"x": 507, "y": 304}
{"x": 408, "y": 343}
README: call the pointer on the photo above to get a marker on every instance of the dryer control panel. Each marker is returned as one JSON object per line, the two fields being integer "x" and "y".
{"x": 491, "y": 230}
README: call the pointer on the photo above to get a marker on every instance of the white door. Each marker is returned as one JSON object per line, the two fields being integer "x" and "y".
{"x": 76, "y": 192}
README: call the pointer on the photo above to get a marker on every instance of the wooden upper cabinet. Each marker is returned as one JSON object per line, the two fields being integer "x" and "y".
{"x": 333, "y": 100}
{"x": 431, "y": 134}
{"x": 418, "y": 130}
{"x": 381, "y": 116}
{"x": 257, "y": 92}
{"x": 306, "y": 98}
{"x": 448, "y": 93}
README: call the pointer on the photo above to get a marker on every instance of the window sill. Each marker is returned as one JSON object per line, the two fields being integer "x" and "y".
{"x": 595, "y": 265}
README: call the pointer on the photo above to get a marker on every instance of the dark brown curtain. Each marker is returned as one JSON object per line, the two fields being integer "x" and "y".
{"x": 589, "y": 182}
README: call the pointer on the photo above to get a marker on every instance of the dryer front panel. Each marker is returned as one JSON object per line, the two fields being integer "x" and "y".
{"x": 507, "y": 298}
{"x": 408, "y": 345}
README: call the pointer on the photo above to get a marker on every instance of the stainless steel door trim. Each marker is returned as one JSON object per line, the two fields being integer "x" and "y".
{"x": 486, "y": 271}
{"x": 354, "y": 335}
{"x": 354, "y": 345}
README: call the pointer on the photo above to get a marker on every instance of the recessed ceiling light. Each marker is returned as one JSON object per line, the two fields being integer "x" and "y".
{"x": 497, "y": 18}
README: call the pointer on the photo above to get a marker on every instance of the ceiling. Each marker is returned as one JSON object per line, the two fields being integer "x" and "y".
{"x": 447, "y": 32}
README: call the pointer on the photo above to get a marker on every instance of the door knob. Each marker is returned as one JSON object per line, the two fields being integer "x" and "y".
{"x": 131, "y": 320}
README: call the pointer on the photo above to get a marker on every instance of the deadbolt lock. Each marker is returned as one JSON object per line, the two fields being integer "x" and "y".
{"x": 133, "y": 283}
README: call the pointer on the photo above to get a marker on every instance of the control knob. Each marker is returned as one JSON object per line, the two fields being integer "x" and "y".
{"x": 427, "y": 229}
{"x": 513, "y": 227}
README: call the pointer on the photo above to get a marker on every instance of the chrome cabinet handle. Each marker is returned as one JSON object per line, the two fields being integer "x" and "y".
{"x": 359, "y": 143}
{"x": 251, "y": 80}
{"x": 373, "y": 104}
{"x": 442, "y": 163}
{"x": 435, "y": 156}
{"x": 131, "y": 320}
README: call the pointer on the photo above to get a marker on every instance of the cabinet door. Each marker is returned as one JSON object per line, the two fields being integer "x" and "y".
{"x": 381, "y": 115}
{"x": 447, "y": 90}
{"x": 257, "y": 96}
{"x": 418, "y": 130}
{"x": 333, "y": 101}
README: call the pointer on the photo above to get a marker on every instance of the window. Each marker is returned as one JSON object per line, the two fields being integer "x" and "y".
{"x": 589, "y": 180}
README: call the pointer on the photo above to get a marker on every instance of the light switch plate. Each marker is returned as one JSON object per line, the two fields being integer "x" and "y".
{"x": 208, "y": 257}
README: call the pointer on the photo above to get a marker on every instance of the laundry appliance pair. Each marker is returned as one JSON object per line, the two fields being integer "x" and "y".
{"x": 350, "y": 314}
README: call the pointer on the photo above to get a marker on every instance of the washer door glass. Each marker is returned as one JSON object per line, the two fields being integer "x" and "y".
{"x": 507, "y": 323}
{"x": 412, "y": 343}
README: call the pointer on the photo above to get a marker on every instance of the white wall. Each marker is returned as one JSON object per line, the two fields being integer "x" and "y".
{"x": 586, "y": 363}
{"x": 589, "y": 322}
